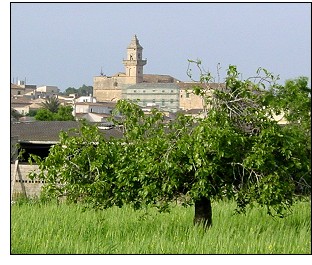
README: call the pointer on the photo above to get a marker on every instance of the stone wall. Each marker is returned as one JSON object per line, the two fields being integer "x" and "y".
{"x": 21, "y": 184}
{"x": 110, "y": 88}
{"x": 189, "y": 101}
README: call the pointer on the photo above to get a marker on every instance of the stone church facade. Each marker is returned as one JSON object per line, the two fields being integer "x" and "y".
{"x": 147, "y": 90}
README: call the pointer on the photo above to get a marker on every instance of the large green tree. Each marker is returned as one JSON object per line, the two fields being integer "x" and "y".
{"x": 235, "y": 151}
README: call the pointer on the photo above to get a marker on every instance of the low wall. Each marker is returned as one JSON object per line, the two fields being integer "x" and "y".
{"x": 21, "y": 184}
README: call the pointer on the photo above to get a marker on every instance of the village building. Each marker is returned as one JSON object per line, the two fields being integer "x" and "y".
{"x": 21, "y": 89}
{"x": 88, "y": 107}
{"x": 46, "y": 91}
{"x": 90, "y": 99}
{"x": 23, "y": 105}
{"x": 93, "y": 111}
{"x": 187, "y": 99}
{"x": 160, "y": 95}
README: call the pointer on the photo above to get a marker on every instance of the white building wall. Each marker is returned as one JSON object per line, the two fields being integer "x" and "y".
{"x": 90, "y": 108}
{"x": 48, "y": 89}
{"x": 89, "y": 99}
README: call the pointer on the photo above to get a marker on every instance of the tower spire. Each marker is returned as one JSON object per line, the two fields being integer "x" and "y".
{"x": 134, "y": 63}
{"x": 135, "y": 43}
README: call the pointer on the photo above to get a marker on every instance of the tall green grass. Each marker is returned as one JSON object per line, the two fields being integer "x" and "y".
{"x": 38, "y": 228}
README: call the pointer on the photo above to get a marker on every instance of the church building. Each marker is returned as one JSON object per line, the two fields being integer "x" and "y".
{"x": 147, "y": 90}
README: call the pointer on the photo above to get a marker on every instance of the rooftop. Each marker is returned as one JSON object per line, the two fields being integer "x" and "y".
{"x": 151, "y": 86}
{"x": 48, "y": 131}
{"x": 154, "y": 78}
{"x": 108, "y": 104}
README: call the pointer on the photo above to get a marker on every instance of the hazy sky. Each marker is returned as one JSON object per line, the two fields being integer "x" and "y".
{"x": 66, "y": 44}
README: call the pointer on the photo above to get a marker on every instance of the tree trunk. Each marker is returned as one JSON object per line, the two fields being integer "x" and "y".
{"x": 203, "y": 212}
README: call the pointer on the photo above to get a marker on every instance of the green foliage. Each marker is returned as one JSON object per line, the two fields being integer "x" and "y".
{"x": 81, "y": 91}
{"x": 64, "y": 113}
{"x": 71, "y": 90}
{"x": 32, "y": 113}
{"x": 75, "y": 169}
{"x": 85, "y": 90}
{"x": 294, "y": 99}
{"x": 237, "y": 150}
{"x": 44, "y": 115}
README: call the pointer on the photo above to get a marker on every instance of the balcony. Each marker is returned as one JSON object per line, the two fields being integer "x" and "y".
{"x": 134, "y": 62}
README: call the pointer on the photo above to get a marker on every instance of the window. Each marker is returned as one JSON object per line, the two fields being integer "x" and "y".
{"x": 187, "y": 95}
{"x": 163, "y": 102}
{"x": 163, "y": 91}
{"x": 134, "y": 91}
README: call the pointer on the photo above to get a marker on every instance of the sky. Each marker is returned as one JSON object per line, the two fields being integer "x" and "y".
{"x": 67, "y": 44}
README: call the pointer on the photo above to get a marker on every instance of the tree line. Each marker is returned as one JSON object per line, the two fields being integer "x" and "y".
{"x": 84, "y": 90}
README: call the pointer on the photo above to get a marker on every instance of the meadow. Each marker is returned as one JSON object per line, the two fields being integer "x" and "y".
{"x": 50, "y": 228}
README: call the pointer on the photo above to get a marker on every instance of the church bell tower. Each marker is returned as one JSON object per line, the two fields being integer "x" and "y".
{"x": 134, "y": 63}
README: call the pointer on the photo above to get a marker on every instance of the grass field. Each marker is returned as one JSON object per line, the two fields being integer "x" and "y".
{"x": 38, "y": 228}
